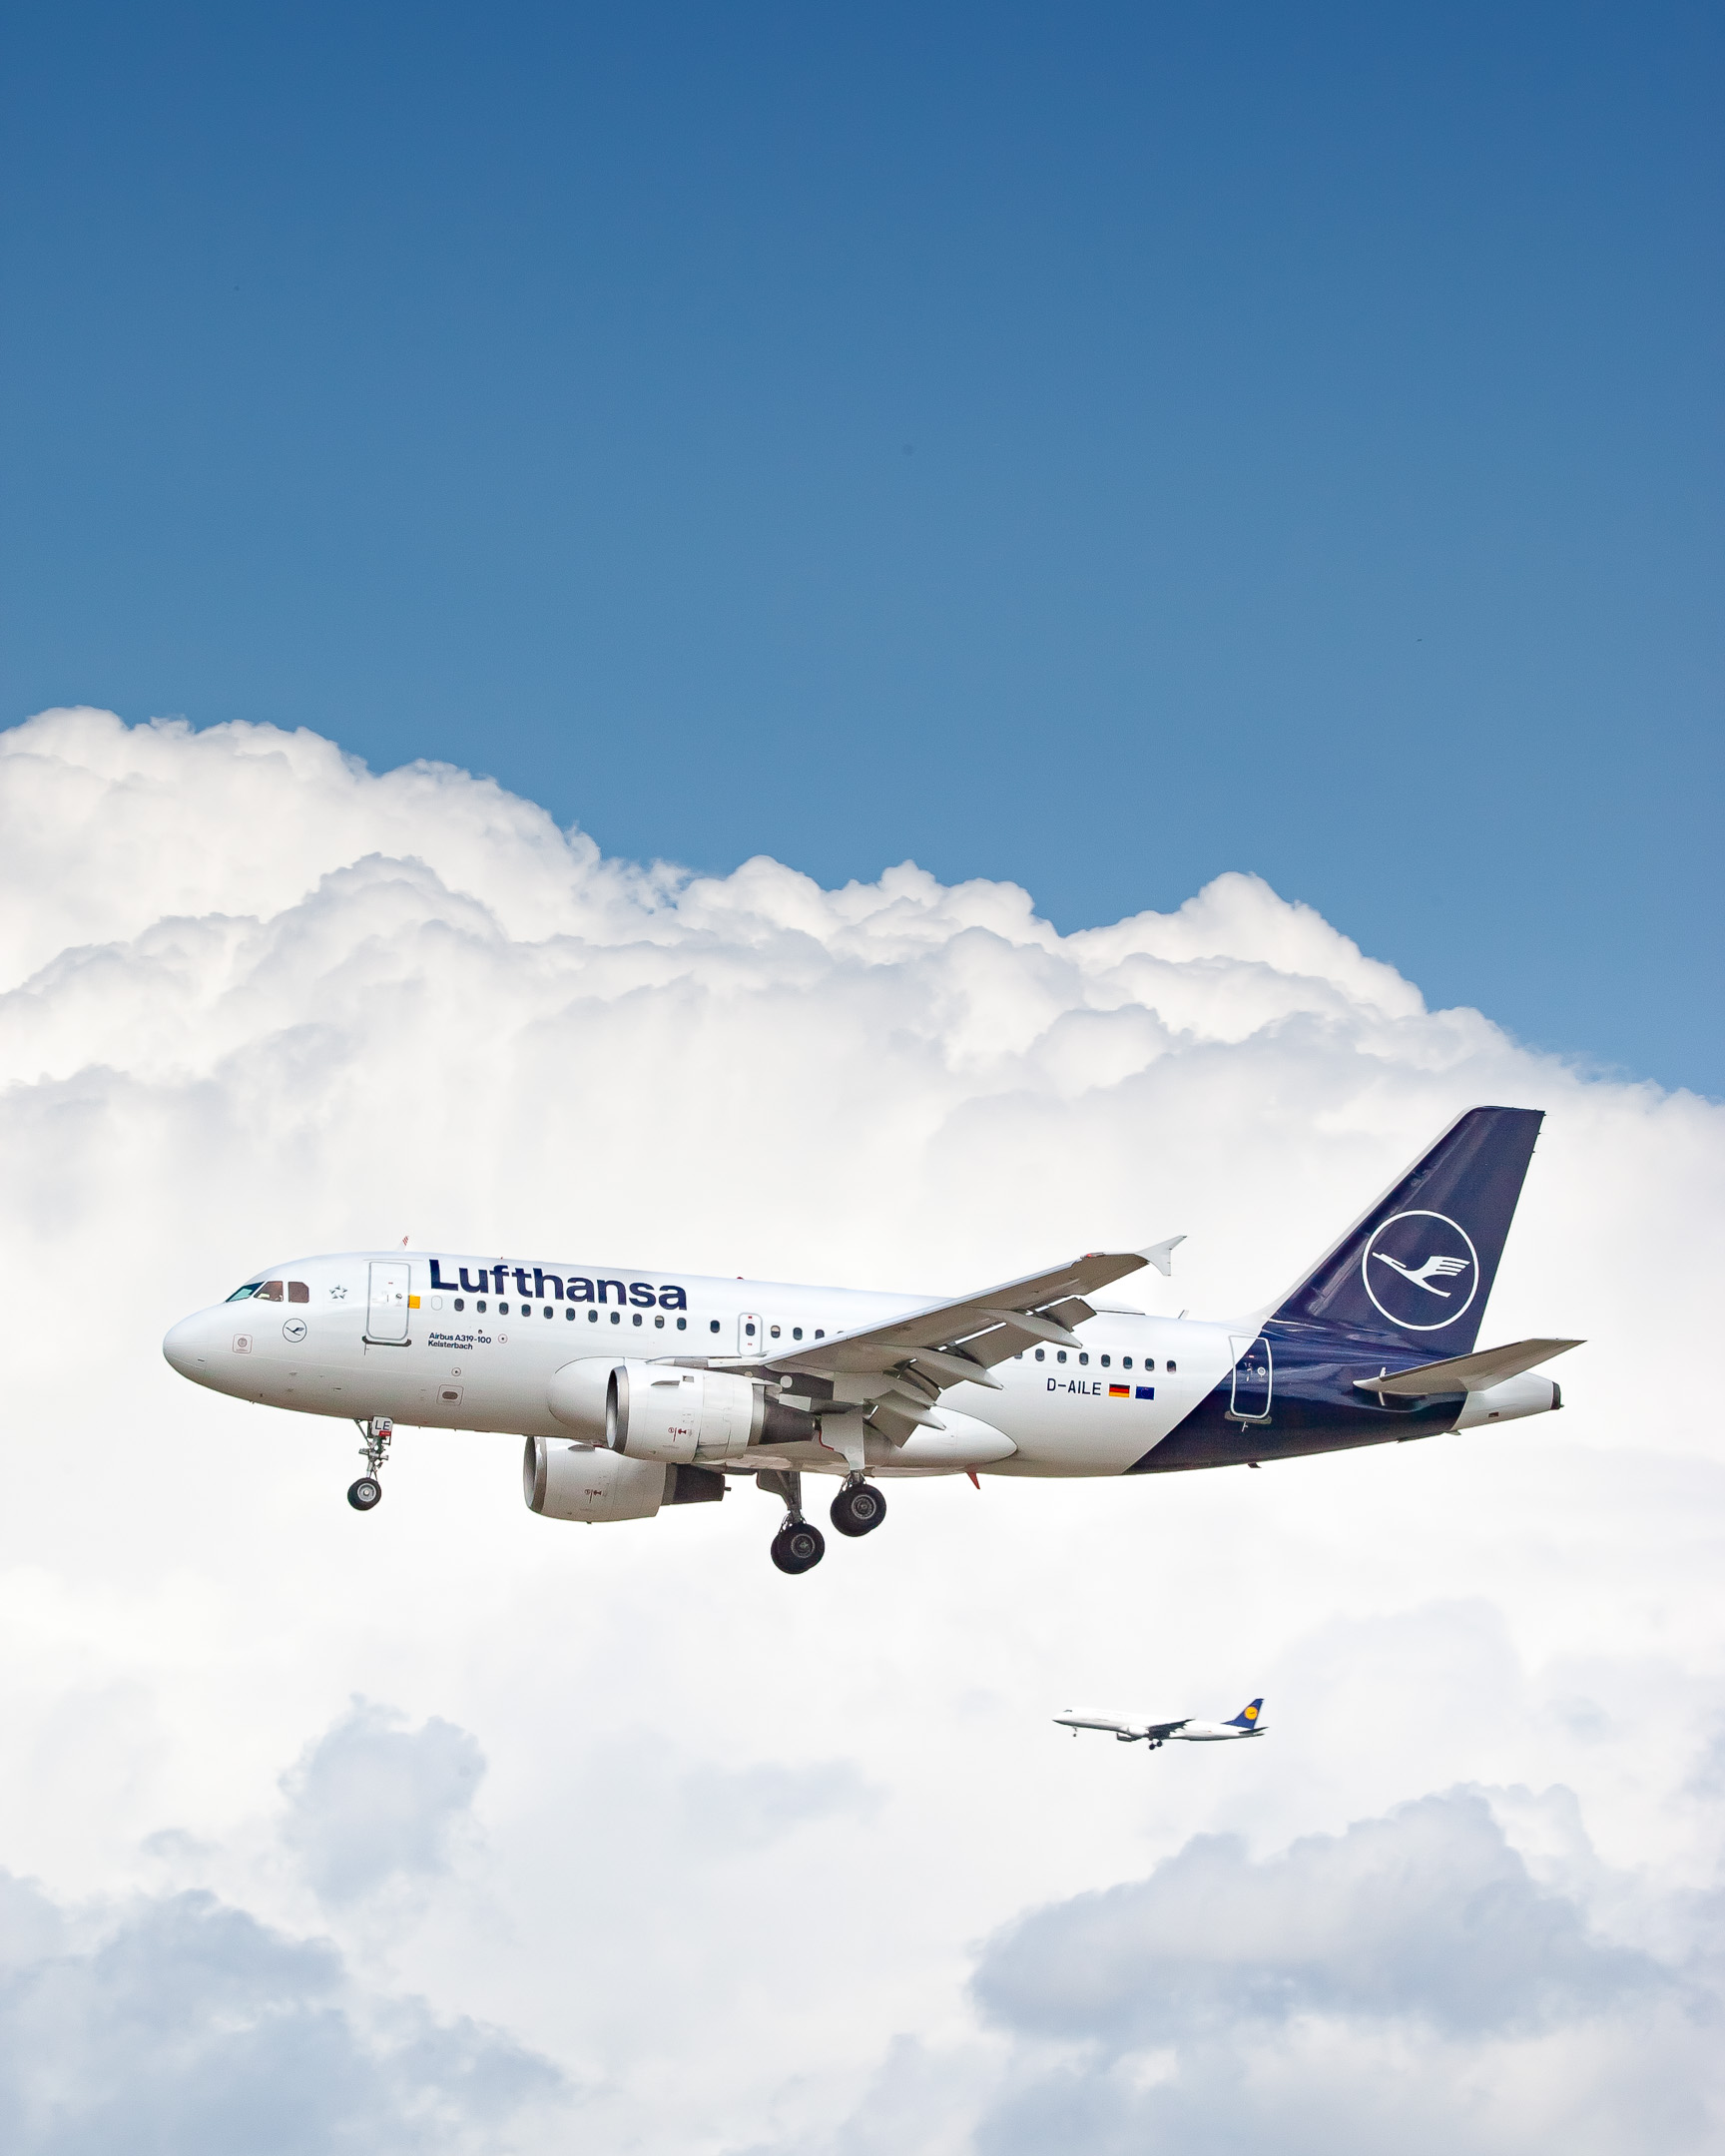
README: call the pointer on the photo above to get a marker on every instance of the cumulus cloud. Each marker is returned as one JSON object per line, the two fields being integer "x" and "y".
{"x": 1427, "y": 1914}
{"x": 1407, "y": 1983}
{"x": 178, "y": 2021}
{"x": 256, "y": 1000}
{"x": 373, "y": 1801}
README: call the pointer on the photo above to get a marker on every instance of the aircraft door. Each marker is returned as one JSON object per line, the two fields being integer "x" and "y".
{"x": 386, "y": 1305}
{"x": 750, "y": 1334}
{"x": 1254, "y": 1377}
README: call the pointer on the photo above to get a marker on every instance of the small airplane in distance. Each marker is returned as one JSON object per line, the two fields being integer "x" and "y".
{"x": 1157, "y": 1734}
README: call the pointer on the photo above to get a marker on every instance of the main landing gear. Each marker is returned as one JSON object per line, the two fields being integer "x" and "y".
{"x": 858, "y": 1508}
{"x": 367, "y": 1493}
{"x": 796, "y": 1547}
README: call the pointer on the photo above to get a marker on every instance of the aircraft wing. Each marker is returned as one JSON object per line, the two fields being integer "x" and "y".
{"x": 1469, "y": 1372}
{"x": 948, "y": 1343}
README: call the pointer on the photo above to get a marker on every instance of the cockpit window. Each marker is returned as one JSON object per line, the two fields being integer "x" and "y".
{"x": 269, "y": 1292}
{"x": 241, "y": 1294}
{"x": 297, "y": 1292}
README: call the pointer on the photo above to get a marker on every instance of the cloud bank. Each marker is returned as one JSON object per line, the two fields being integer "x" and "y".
{"x": 177, "y": 2021}
{"x": 1405, "y": 1983}
{"x": 747, "y": 1860}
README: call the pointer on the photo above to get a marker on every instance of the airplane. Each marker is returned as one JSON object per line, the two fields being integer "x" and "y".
{"x": 635, "y": 1389}
{"x": 1157, "y": 1734}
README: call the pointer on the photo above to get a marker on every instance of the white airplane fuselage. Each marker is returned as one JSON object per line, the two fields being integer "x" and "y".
{"x": 635, "y": 1389}
{"x": 484, "y": 1363}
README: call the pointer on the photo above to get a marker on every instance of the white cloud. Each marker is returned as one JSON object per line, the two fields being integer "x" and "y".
{"x": 1406, "y": 1983}
{"x": 737, "y": 1836}
{"x": 371, "y": 1800}
{"x": 178, "y": 2020}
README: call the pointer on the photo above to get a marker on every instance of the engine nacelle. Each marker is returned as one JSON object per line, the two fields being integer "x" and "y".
{"x": 585, "y": 1482}
{"x": 655, "y": 1411}
{"x": 576, "y": 1395}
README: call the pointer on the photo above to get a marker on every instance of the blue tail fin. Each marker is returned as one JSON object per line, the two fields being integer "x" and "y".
{"x": 1417, "y": 1270}
{"x": 1247, "y": 1718}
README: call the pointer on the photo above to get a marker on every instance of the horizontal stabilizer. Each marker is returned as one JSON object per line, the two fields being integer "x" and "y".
{"x": 1469, "y": 1372}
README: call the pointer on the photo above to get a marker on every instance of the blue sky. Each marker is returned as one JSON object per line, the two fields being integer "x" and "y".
{"x": 1098, "y": 446}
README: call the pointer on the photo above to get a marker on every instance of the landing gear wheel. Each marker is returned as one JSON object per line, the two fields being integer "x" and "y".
{"x": 377, "y": 1432}
{"x": 858, "y": 1509}
{"x": 798, "y": 1547}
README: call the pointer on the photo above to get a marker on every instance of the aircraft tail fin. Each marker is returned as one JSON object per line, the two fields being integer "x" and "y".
{"x": 1247, "y": 1718}
{"x": 1417, "y": 1267}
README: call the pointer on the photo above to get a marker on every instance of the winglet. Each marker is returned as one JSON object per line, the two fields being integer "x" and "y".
{"x": 1161, "y": 1255}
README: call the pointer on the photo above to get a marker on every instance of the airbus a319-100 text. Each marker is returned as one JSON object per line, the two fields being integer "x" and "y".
{"x": 634, "y": 1389}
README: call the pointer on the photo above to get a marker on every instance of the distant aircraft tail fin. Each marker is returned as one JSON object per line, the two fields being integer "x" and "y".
{"x": 1415, "y": 1268}
{"x": 1247, "y": 1718}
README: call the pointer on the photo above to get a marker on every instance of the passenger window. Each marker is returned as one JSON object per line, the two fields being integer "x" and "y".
{"x": 712, "y": 1325}
{"x": 819, "y": 1335}
{"x": 569, "y": 1313}
{"x": 549, "y": 1312}
{"x": 795, "y": 1332}
{"x": 480, "y": 1307}
{"x": 658, "y": 1324}
{"x": 592, "y": 1317}
{"x": 1059, "y": 1355}
{"x": 637, "y": 1316}
{"x": 774, "y": 1329}
{"x": 1083, "y": 1359}
{"x": 459, "y": 1304}
{"x": 682, "y": 1325}
{"x": 1041, "y": 1355}
{"x": 502, "y": 1310}
{"x": 748, "y": 1332}
{"x": 297, "y": 1292}
{"x": 616, "y": 1317}
{"x": 270, "y": 1292}
{"x": 1104, "y": 1362}
{"x": 1125, "y": 1362}
{"x": 1151, "y": 1365}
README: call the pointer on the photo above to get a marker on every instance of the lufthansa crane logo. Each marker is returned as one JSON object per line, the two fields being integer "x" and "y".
{"x": 1421, "y": 1270}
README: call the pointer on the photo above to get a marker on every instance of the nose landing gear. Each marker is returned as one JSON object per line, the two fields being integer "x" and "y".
{"x": 858, "y": 1508}
{"x": 368, "y": 1491}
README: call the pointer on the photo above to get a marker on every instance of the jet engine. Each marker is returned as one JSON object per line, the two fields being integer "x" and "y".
{"x": 656, "y": 1411}
{"x": 584, "y": 1482}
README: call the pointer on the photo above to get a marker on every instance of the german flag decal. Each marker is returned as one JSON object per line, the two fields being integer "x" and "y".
{"x": 1120, "y": 1391}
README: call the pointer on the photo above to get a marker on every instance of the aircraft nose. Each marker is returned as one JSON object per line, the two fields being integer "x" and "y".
{"x": 187, "y": 1347}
